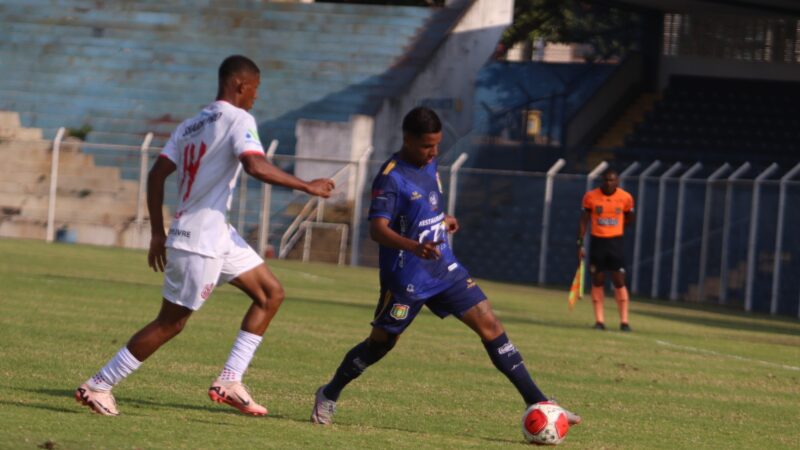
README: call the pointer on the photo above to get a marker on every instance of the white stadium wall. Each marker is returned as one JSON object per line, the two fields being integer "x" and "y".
{"x": 447, "y": 82}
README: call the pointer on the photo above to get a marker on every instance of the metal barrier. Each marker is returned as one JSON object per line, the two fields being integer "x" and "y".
{"x": 703, "y": 234}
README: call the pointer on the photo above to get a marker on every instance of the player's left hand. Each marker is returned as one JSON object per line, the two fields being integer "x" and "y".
{"x": 452, "y": 224}
{"x": 157, "y": 256}
{"x": 321, "y": 187}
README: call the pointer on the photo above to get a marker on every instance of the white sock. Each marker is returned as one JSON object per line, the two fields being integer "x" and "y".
{"x": 120, "y": 366}
{"x": 244, "y": 347}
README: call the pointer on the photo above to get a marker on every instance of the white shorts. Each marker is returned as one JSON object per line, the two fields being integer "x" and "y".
{"x": 190, "y": 277}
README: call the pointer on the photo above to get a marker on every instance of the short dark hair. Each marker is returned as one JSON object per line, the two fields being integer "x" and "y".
{"x": 421, "y": 120}
{"x": 608, "y": 172}
{"x": 236, "y": 64}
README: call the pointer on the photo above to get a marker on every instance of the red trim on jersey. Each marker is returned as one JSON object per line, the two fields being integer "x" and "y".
{"x": 250, "y": 152}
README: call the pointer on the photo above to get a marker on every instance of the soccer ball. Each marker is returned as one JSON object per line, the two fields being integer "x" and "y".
{"x": 545, "y": 423}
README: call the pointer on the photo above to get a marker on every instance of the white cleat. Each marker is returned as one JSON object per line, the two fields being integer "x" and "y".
{"x": 324, "y": 409}
{"x": 235, "y": 393}
{"x": 101, "y": 402}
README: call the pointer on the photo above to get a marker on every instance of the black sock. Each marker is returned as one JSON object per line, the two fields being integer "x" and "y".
{"x": 355, "y": 362}
{"x": 508, "y": 360}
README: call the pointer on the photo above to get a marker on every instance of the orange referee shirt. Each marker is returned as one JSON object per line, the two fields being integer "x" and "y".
{"x": 608, "y": 211}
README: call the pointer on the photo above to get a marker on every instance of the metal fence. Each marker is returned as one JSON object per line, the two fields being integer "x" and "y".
{"x": 720, "y": 235}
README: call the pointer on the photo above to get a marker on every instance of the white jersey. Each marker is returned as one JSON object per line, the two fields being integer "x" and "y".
{"x": 206, "y": 149}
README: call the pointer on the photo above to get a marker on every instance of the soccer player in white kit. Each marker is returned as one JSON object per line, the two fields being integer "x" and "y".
{"x": 209, "y": 151}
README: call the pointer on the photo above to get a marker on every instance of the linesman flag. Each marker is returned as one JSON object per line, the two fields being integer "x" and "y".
{"x": 576, "y": 290}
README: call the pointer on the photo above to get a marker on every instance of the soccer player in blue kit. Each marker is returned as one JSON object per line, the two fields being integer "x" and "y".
{"x": 417, "y": 267}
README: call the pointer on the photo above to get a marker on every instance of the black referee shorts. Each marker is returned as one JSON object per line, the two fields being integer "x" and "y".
{"x": 606, "y": 255}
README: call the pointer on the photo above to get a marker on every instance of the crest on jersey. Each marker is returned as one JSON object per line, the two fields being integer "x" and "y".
{"x": 206, "y": 291}
{"x": 434, "y": 200}
{"x": 598, "y": 210}
{"x": 399, "y": 311}
{"x": 252, "y": 136}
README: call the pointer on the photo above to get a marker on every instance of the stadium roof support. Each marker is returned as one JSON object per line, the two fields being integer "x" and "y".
{"x": 662, "y": 194}
{"x": 676, "y": 250}
{"x": 51, "y": 203}
{"x": 266, "y": 205}
{"x": 548, "y": 200}
{"x": 355, "y": 226}
{"x": 701, "y": 278}
{"x": 589, "y": 182}
{"x": 752, "y": 239}
{"x": 452, "y": 192}
{"x": 726, "y": 232}
{"x": 627, "y": 172}
{"x": 776, "y": 270}
{"x": 637, "y": 243}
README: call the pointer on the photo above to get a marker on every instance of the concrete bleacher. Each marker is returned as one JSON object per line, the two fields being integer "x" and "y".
{"x": 126, "y": 68}
{"x": 93, "y": 202}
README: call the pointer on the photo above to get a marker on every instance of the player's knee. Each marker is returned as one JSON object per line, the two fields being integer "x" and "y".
{"x": 277, "y": 295}
{"x": 270, "y": 297}
{"x": 383, "y": 346}
{"x": 172, "y": 327}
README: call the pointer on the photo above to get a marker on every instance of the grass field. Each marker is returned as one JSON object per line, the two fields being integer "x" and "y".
{"x": 686, "y": 378}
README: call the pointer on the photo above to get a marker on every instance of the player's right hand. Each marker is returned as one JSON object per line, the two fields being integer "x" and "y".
{"x": 321, "y": 187}
{"x": 157, "y": 256}
{"x": 428, "y": 250}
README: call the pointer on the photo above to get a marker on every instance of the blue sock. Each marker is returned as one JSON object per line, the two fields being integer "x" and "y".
{"x": 355, "y": 362}
{"x": 508, "y": 360}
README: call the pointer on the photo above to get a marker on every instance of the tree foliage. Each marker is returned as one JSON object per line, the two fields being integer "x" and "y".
{"x": 609, "y": 30}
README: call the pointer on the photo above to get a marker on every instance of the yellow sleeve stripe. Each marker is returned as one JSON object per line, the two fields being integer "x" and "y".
{"x": 389, "y": 167}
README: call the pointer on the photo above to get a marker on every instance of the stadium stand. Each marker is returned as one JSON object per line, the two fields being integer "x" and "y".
{"x": 126, "y": 68}
{"x": 96, "y": 202}
{"x": 720, "y": 120}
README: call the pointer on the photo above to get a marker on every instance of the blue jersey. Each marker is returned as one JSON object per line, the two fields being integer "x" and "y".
{"x": 410, "y": 198}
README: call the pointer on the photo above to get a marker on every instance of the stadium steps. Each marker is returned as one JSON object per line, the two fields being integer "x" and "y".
{"x": 121, "y": 67}
{"x": 93, "y": 201}
{"x": 615, "y": 136}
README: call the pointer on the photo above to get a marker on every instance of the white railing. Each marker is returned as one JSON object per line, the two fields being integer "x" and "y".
{"x": 717, "y": 217}
{"x": 298, "y": 227}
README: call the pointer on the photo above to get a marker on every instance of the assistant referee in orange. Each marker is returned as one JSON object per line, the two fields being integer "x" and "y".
{"x": 610, "y": 210}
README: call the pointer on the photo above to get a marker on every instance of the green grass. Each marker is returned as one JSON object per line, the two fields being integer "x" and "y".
{"x": 686, "y": 378}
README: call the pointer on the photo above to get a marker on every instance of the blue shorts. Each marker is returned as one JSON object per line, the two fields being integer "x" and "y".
{"x": 396, "y": 311}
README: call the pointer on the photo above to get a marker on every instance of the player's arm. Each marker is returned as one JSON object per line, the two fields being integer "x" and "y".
{"x": 157, "y": 256}
{"x": 630, "y": 218}
{"x": 383, "y": 234}
{"x": 257, "y": 166}
{"x": 452, "y": 224}
{"x": 583, "y": 223}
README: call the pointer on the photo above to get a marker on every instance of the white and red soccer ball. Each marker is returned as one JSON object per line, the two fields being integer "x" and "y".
{"x": 545, "y": 423}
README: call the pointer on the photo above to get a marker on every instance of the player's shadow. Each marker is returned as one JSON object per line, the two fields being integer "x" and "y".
{"x": 424, "y": 432}
{"x": 38, "y": 406}
{"x": 321, "y": 301}
{"x": 136, "y": 402}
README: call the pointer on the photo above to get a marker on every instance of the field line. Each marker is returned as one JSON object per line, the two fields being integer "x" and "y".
{"x": 737, "y": 357}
